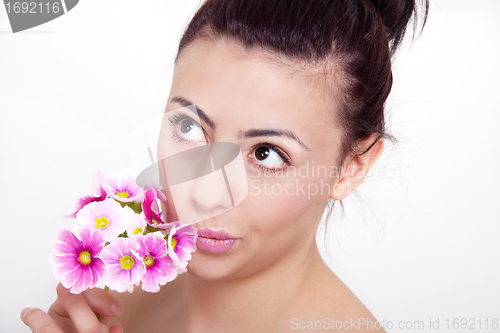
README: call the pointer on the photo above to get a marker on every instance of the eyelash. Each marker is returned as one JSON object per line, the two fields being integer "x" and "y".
{"x": 176, "y": 120}
{"x": 178, "y": 117}
{"x": 278, "y": 151}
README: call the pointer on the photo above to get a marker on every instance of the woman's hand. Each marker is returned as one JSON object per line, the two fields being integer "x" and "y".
{"x": 75, "y": 313}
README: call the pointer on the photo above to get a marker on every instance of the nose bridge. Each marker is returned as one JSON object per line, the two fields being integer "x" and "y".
{"x": 210, "y": 194}
{"x": 201, "y": 190}
{"x": 222, "y": 189}
{"x": 203, "y": 182}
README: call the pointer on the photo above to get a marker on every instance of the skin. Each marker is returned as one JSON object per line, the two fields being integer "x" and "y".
{"x": 274, "y": 272}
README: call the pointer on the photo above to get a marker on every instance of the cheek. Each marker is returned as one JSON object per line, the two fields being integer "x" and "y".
{"x": 285, "y": 205}
{"x": 275, "y": 211}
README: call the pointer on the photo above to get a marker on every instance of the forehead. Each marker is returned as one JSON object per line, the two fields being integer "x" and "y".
{"x": 254, "y": 87}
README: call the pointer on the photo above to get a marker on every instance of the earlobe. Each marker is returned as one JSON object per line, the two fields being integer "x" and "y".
{"x": 339, "y": 192}
{"x": 352, "y": 177}
{"x": 357, "y": 168}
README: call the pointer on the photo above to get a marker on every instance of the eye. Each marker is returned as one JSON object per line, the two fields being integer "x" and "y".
{"x": 190, "y": 130}
{"x": 185, "y": 129}
{"x": 270, "y": 158}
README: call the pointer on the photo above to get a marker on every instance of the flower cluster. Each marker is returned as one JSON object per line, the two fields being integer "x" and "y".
{"x": 121, "y": 238}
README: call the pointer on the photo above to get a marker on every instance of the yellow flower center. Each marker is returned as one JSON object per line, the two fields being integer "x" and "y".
{"x": 85, "y": 258}
{"x": 126, "y": 262}
{"x": 174, "y": 242}
{"x": 149, "y": 261}
{"x": 101, "y": 222}
{"x": 123, "y": 194}
{"x": 137, "y": 230}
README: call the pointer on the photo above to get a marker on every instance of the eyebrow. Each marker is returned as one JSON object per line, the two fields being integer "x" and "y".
{"x": 252, "y": 133}
{"x": 203, "y": 116}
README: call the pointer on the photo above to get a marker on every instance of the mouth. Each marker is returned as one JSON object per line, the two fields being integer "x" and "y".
{"x": 215, "y": 241}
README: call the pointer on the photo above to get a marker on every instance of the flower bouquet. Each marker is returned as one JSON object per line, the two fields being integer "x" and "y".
{"x": 121, "y": 238}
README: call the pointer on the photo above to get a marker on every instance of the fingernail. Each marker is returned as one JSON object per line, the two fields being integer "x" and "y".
{"x": 24, "y": 311}
{"x": 116, "y": 309}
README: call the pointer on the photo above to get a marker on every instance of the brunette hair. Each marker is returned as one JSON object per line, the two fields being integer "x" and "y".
{"x": 358, "y": 36}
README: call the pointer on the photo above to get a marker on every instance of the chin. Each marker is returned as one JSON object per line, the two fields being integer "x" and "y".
{"x": 212, "y": 267}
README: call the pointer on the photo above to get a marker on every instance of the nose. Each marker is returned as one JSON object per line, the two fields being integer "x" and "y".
{"x": 225, "y": 186}
{"x": 210, "y": 181}
{"x": 210, "y": 195}
{"x": 203, "y": 182}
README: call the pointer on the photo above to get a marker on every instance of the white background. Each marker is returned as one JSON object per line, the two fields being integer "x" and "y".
{"x": 419, "y": 241}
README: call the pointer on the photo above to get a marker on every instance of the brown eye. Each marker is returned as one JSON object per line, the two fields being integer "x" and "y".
{"x": 261, "y": 153}
{"x": 268, "y": 157}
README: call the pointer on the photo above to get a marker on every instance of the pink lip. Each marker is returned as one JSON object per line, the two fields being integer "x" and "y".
{"x": 215, "y": 241}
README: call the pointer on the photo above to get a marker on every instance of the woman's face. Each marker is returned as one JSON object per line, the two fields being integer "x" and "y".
{"x": 283, "y": 125}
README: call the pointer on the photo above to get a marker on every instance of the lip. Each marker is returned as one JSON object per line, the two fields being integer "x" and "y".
{"x": 215, "y": 241}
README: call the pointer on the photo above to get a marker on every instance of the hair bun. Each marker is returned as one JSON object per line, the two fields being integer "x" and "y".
{"x": 396, "y": 15}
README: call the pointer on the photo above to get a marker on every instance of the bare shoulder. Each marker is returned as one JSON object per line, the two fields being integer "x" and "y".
{"x": 329, "y": 304}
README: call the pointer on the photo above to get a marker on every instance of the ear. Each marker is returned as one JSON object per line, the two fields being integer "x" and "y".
{"x": 357, "y": 167}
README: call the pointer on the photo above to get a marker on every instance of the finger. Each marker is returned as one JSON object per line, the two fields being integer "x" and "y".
{"x": 78, "y": 310}
{"x": 102, "y": 302}
{"x": 99, "y": 300}
{"x": 39, "y": 321}
{"x": 116, "y": 328}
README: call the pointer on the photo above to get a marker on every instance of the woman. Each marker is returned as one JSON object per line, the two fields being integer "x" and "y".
{"x": 297, "y": 85}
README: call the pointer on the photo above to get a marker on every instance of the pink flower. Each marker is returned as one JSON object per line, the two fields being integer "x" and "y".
{"x": 107, "y": 216}
{"x": 159, "y": 194}
{"x": 124, "y": 268}
{"x": 151, "y": 209}
{"x": 98, "y": 194}
{"x": 181, "y": 243}
{"x": 159, "y": 267}
{"x": 75, "y": 258}
{"x": 136, "y": 225}
{"x": 121, "y": 186}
